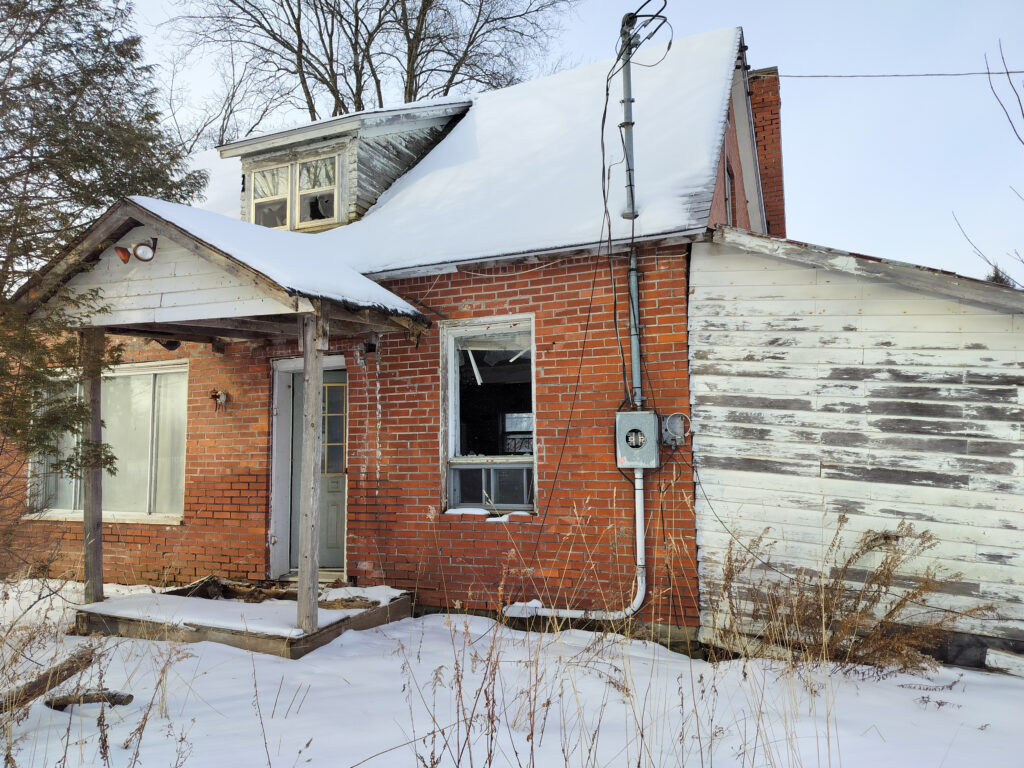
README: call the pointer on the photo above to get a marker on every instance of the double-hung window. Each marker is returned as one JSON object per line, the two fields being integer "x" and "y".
{"x": 144, "y": 415}
{"x": 490, "y": 435}
{"x": 317, "y": 191}
{"x": 299, "y": 195}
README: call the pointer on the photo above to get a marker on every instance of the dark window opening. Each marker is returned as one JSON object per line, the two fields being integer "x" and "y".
{"x": 318, "y": 206}
{"x": 494, "y": 412}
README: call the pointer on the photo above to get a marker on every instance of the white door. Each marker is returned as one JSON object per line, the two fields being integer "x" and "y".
{"x": 333, "y": 478}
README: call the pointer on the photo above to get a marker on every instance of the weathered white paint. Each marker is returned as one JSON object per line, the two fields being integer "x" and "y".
{"x": 821, "y": 386}
{"x": 176, "y": 286}
{"x": 1004, "y": 661}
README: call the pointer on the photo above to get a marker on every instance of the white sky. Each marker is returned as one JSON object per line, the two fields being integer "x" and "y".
{"x": 872, "y": 166}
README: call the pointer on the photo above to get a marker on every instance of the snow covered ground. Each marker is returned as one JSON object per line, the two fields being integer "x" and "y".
{"x": 457, "y": 690}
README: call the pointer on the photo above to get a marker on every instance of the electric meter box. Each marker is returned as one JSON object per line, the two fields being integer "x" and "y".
{"x": 636, "y": 439}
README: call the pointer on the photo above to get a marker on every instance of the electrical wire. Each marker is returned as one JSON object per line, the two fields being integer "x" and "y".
{"x": 901, "y": 74}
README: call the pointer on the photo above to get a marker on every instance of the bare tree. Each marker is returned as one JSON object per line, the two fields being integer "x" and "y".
{"x": 1010, "y": 97}
{"x": 242, "y": 100}
{"x": 332, "y": 57}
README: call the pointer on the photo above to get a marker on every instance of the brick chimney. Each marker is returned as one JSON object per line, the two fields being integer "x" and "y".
{"x": 765, "y": 105}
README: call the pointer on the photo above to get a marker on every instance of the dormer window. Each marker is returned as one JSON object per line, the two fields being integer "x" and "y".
{"x": 301, "y": 195}
{"x": 270, "y": 197}
{"x": 317, "y": 191}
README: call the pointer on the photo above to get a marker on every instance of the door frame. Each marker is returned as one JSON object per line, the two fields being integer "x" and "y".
{"x": 279, "y": 530}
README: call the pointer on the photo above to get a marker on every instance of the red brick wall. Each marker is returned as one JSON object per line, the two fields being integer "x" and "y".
{"x": 766, "y": 104}
{"x": 576, "y": 552}
{"x": 227, "y": 459}
{"x": 730, "y": 159}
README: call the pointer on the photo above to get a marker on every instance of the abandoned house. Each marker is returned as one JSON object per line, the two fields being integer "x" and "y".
{"x": 453, "y": 347}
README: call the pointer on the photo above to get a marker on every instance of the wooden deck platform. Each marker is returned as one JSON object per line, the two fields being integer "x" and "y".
{"x": 89, "y": 622}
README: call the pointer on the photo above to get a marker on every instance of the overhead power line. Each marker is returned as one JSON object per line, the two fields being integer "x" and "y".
{"x": 917, "y": 74}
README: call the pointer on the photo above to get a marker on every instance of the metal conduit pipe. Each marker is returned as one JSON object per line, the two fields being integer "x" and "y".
{"x": 535, "y": 607}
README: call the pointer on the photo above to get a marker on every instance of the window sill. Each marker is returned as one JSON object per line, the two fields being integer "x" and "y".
{"x": 491, "y": 516}
{"x": 71, "y": 515}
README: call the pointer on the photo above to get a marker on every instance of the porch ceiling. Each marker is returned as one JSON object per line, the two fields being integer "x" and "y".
{"x": 277, "y": 327}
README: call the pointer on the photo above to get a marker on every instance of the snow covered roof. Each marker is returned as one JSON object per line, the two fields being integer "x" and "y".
{"x": 295, "y": 261}
{"x": 522, "y": 170}
{"x": 381, "y": 119}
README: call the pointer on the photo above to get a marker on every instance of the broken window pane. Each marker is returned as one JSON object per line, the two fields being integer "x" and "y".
{"x": 493, "y": 413}
{"x": 495, "y": 381}
{"x": 317, "y": 206}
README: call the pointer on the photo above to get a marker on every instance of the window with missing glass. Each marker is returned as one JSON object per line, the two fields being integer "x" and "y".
{"x": 317, "y": 191}
{"x": 270, "y": 197}
{"x": 144, "y": 414}
{"x": 491, "y": 424}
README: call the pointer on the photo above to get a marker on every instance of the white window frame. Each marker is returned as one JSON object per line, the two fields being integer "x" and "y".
{"x": 336, "y": 188}
{"x": 451, "y": 331}
{"x": 127, "y": 369}
{"x": 288, "y": 185}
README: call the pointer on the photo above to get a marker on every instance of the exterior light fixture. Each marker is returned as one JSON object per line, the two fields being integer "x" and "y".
{"x": 144, "y": 251}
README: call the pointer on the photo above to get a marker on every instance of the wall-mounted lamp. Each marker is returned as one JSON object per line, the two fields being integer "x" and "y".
{"x": 144, "y": 251}
{"x": 220, "y": 399}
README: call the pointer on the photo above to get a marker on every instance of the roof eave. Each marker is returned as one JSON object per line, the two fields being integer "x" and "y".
{"x": 340, "y": 126}
{"x": 969, "y": 290}
{"x": 618, "y": 245}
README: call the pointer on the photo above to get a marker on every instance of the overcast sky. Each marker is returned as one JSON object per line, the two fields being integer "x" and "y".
{"x": 875, "y": 166}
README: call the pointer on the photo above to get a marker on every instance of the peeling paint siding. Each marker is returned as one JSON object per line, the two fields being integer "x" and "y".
{"x": 816, "y": 393}
{"x": 381, "y": 160}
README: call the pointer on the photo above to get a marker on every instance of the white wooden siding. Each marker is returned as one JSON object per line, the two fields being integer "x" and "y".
{"x": 176, "y": 286}
{"x": 817, "y": 393}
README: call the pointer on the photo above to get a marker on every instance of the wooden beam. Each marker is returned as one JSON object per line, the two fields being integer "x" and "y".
{"x": 360, "y": 320}
{"x": 92, "y": 342}
{"x": 376, "y": 320}
{"x": 314, "y": 344}
{"x": 265, "y": 327}
{"x": 163, "y": 333}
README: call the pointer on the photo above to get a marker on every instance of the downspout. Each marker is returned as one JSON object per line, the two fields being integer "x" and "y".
{"x": 534, "y": 607}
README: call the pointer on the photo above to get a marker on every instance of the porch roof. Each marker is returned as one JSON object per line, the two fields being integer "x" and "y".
{"x": 267, "y": 275}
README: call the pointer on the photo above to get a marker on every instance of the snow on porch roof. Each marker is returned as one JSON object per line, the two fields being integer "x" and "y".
{"x": 292, "y": 260}
{"x": 522, "y": 170}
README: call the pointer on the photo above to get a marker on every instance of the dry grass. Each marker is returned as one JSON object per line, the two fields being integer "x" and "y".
{"x": 867, "y": 609}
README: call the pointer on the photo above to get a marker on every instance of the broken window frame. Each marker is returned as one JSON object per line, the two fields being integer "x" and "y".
{"x": 300, "y": 192}
{"x": 489, "y": 466}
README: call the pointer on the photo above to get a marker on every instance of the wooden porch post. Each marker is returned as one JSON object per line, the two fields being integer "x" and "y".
{"x": 314, "y": 343}
{"x": 93, "y": 341}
